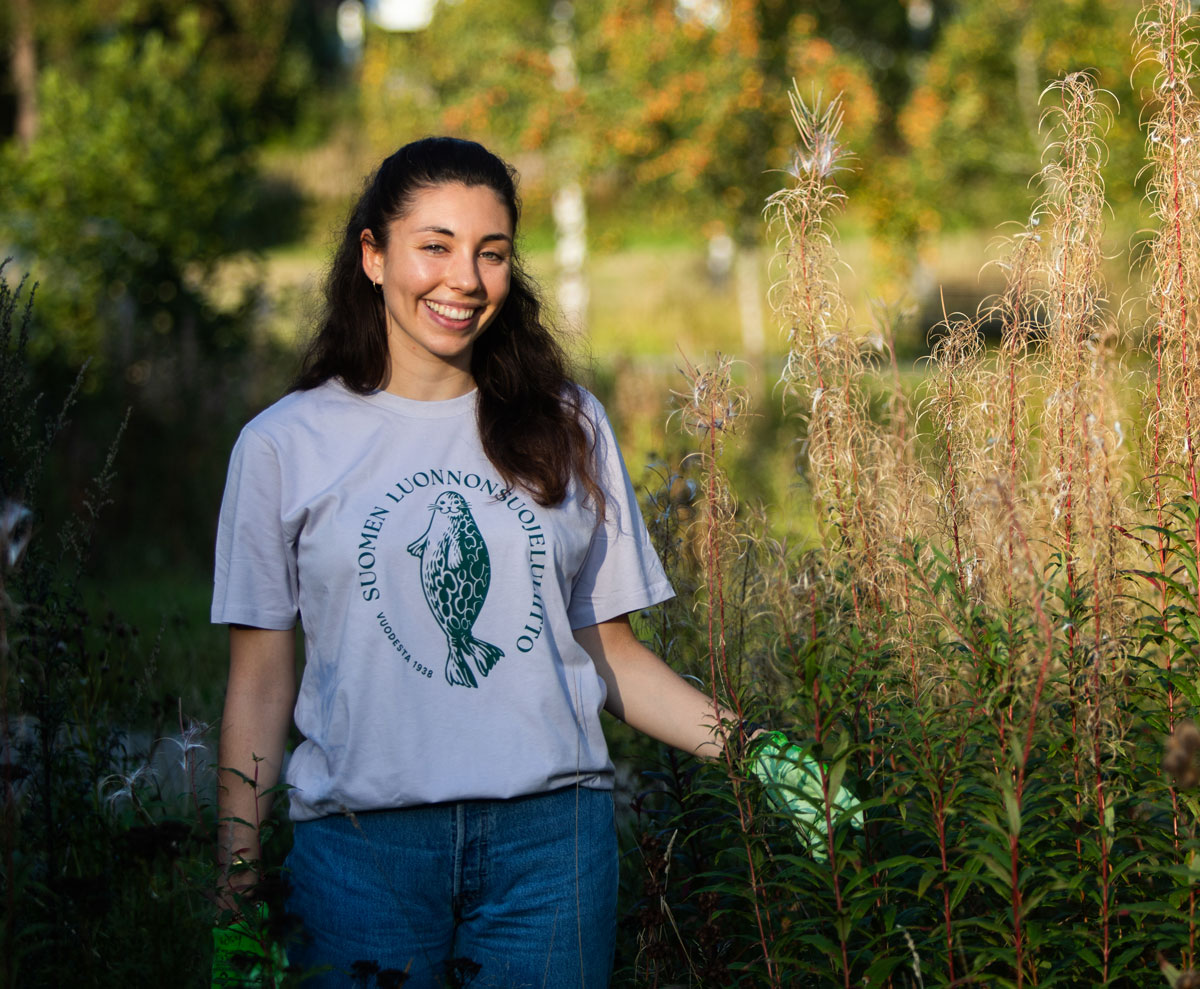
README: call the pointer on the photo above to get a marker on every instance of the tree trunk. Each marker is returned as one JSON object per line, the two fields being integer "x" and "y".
{"x": 24, "y": 71}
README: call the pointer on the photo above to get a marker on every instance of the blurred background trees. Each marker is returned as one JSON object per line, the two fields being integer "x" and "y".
{"x": 174, "y": 171}
{"x": 130, "y": 176}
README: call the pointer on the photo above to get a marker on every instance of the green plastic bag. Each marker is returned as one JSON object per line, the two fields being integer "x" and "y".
{"x": 242, "y": 956}
{"x": 792, "y": 779}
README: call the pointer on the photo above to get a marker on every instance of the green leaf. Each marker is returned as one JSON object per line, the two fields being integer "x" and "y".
{"x": 927, "y": 878}
{"x": 1001, "y": 871}
{"x": 1013, "y": 810}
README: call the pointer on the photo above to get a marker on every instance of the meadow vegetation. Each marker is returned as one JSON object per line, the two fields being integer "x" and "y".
{"x": 970, "y": 594}
{"x": 992, "y": 642}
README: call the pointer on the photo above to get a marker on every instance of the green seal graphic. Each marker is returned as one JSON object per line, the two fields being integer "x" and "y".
{"x": 455, "y": 574}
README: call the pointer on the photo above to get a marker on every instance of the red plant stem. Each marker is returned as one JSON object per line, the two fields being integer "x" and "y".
{"x": 939, "y": 818}
{"x": 1019, "y": 787}
{"x": 716, "y": 644}
{"x": 818, "y": 738}
{"x": 911, "y": 638}
{"x": 1013, "y": 343}
{"x": 1068, "y": 344}
{"x": 937, "y": 797}
{"x": 1097, "y": 660}
{"x": 810, "y": 307}
{"x": 1078, "y": 788}
{"x": 952, "y": 482}
{"x": 1185, "y": 370}
{"x": 1100, "y": 813}
{"x": 1175, "y": 223}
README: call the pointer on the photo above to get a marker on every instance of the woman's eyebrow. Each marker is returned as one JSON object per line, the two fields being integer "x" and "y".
{"x": 450, "y": 233}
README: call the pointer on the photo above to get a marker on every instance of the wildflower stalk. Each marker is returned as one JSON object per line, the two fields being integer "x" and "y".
{"x": 897, "y": 462}
{"x": 1022, "y": 760}
{"x": 1079, "y": 437}
{"x": 824, "y": 366}
{"x": 712, "y": 408}
{"x": 1165, "y": 30}
{"x": 956, "y": 363}
{"x": 1164, "y": 27}
{"x": 1016, "y": 309}
{"x": 848, "y": 454}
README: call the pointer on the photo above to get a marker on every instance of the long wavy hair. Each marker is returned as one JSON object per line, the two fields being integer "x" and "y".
{"x": 531, "y": 417}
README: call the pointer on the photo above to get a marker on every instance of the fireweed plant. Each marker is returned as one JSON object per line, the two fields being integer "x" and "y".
{"x": 993, "y": 645}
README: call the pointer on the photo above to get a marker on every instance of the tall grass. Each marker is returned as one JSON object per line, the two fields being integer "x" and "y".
{"x": 996, "y": 636}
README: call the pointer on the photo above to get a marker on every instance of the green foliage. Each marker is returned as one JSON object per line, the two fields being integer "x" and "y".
{"x": 971, "y": 124}
{"x": 260, "y": 58}
{"x": 664, "y": 105}
{"x": 479, "y": 71}
{"x": 982, "y": 855}
{"x": 131, "y": 192}
{"x": 691, "y": 110}
{"x": 138, "y": 188}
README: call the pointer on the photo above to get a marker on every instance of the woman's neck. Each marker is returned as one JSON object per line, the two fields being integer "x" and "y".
{"x": 434, "y": 381}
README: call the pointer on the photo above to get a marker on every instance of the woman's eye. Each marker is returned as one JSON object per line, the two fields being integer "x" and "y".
{"x": 494, "y": 257}
{"x": 434, "y": 248}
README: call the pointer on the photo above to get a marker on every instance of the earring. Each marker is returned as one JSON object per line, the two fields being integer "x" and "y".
{"x": 378, "y": 287}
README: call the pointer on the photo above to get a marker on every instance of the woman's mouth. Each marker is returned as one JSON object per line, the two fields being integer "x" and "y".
{"x": 455, "y": 313}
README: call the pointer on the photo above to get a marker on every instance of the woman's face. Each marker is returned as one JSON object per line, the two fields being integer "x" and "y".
{"x": 444, "y": 275}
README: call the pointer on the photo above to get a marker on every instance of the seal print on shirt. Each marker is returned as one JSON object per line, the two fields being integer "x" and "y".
{"x": 453, "y": 571}
{"x": 455, "y": 574}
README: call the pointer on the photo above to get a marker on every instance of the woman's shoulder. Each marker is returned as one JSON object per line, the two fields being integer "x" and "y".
{"x": 586, "y": 403}
{"x": 302, "y": 410}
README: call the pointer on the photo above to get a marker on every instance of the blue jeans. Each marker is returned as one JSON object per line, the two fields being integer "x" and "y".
{"x": 483, "y": 893}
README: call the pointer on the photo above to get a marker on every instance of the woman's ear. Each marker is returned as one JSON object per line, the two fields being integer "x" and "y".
{"x": 372, "y": 257}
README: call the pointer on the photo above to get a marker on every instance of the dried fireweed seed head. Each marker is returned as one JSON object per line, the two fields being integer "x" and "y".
{"x": 712, "y": 403}
{"x": 1180, "y": 757}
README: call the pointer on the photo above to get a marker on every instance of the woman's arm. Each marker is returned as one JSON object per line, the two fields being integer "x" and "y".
{"x": 258, "y": 711}
{"x": 648, "y": 695}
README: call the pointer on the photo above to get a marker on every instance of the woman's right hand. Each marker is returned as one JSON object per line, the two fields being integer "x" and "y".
{"x": 258, "y": 712}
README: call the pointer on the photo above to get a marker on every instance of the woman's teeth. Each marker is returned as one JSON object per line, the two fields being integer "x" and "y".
{"x": 450, "y": 312}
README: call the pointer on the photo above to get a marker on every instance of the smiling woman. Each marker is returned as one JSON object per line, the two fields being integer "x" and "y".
{"x": 448, "y": 516}
{"x": 443, "y": 278}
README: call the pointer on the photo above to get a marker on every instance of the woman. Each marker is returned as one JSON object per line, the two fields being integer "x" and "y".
{"x": 449, "y": 516}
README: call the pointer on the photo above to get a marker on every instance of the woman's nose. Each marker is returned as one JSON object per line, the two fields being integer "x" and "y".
{"x": 464, "y": 274}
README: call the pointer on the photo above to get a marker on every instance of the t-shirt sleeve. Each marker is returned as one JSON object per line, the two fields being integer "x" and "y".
{"x": 255, "y": 576}
{"x": 621, "y": 572}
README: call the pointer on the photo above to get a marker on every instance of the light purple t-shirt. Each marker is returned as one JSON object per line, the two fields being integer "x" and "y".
{"x": 437, "y": 607}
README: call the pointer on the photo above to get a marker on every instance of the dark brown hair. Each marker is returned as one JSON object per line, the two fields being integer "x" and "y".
{"x": 530, "y": 414}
